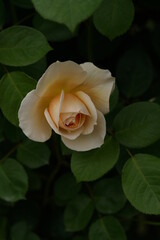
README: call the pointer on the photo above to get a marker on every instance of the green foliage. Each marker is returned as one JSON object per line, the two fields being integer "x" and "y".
{"x": 141, "y": 182}
{"x": 26, "y": 47}
{"x": 48, "y": 191}
{"x": 14, "y": 182}
{"x": 71, "y": 15}
{"x": 107, "y": 228}
{"x": 33, "y": 155}
{"x": 78, "y": 213}
{"x": 137, "y": 125}
{"x": 52, "y": 30}
{"x": 113, "y": 18}
{"x": 108, "y": 195}
{"x": 12, "y": 85}
{"x": 134, "y": 72}
{"x": 91, "y": 165}
{"x": 66, "y": 187}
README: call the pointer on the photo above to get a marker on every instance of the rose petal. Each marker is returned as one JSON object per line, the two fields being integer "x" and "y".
{"x": 70, "y": 135}
{"x": 31, "y": 118}
{"x": 60, "y": 75}
{"x": 92, "y": 119}
{"x": 98, "y": 85}
{"x": 72, "y": 104}
{"x": 90, "y": 141}
{"x": 55, "y": 106}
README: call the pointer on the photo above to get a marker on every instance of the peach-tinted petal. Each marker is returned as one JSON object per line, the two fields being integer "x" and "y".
{"x": 95, "y": 75}
{"x": 60, "y": 75}
{"x": 92, "y": 119}
{"x": 98, "y": 85}
{"x": 72, "y": 104}
{"x": 55, "y": 106}
{"x": 68, "y": 134}
{"x": 31, "y": 118}
{"x": 90, "y": 141}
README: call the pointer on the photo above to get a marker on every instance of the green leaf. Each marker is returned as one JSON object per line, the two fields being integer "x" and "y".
{"x": 13, "y": 88}
{"x": 68, "y": 12}
{"x": 2, "y": 13}
{"x": 13, "y": 181}
{"x": 137, "y": 125}
{"x": 134, "y": 72}
{"x": 78, "y": 213}
{"x": 23, "y": 3}
{"x": 106, "y": 228}
{"x": 113, "y": 18}
{"x": 12, "y": 133}
{"x": 53, "y": 31}
{"x": 3, "y": 228}
{"x": 140, "y": 179}
{"x": 20, "y": 231}
{"x": 108, "y": 195}
{"x": 91, "y": 165}
{"x": 66, "y": 187}
{"x": 33, "y": 154}
{"x": 21, "y": 46}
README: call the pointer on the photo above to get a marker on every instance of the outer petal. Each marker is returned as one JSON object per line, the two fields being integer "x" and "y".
{"x": 98, "y": 85}
{"x": 32, "y": 119}
{"x": 90, "y": 141}
{"x": 60, "y": 75}
{"x": 92, "y": 120}
{"x": 69, "y": 135}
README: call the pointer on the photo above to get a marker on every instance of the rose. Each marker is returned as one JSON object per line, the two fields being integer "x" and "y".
{"x": 70, "y": 99}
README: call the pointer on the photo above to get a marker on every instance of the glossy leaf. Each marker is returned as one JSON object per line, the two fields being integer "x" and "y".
{"x": 137, "y": 125}
{"x": 13, "y": 181}
{"x": 15, "y": 85}
{"x": 113, "y": 18}
{"x": 33, "y": 154}
{"x": 21, "y": 46}
{"x": 106, "y": 228}
{"x": 68, "y": 12}
{"x": 91, "y": 165}
{"x": 78, "y": 213}
{"x": 140, "y": 178}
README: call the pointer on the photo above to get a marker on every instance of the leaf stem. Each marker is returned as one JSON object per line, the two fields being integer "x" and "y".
{"x": 12, "y": 150}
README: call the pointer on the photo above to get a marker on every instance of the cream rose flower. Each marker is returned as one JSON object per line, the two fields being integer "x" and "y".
{"x": 70, "y": 99}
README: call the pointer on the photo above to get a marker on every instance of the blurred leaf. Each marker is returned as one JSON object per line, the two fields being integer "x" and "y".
{"x": 15, "y": 85}
{"x": 34, "y": 181}
{"x": 53, "y": 31}
{"x": 21, "y": 46}
{"x": 23, "y": 3}
{"x": 68, "y": 12}
{"x": 106, "y": 228}
{"x": 137, "y": 125}
{"x": 66, "y": 187}
{"x": 33, "y": 154}
{"x": 13, "y": 181}
{"x": 140, "y": 180}
{"x": 79, "y": 238}
{"x": 113, "y": 18}
{"x": 2, "y": 13}
{"x": 134, "y": 72}
{"x": 20, "y": 231}
{"x": 91, "y": 165}
{"x": 78, "y": 213}
{"x": 108, "y": 195}
{"x": 26, "y": 211}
